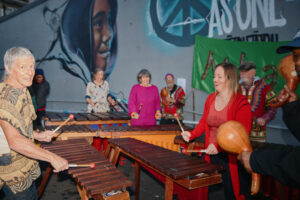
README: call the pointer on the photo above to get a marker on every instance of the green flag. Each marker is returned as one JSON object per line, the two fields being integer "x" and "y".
{"x": 209, "y": 52}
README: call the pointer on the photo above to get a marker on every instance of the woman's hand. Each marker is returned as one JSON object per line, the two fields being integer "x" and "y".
{"x": 211, "y": 150}
{"x": 135, "y": 116}
{"x": 186, "y": 136}
{"x": 157, "y": 115}
{"x": 89, "y": 101}
{"x": 45, "y": 136}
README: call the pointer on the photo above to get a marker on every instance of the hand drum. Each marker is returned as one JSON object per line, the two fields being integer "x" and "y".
{"x": 232, "y": 137}
{"x": 164, "y": 93}
{"x": 287, "y": 71}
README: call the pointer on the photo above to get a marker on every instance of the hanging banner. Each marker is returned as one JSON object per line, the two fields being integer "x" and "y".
{"x": 209, "y": 52}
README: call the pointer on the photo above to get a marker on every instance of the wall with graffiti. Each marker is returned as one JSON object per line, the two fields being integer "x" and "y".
{"x": 71, "y": 38}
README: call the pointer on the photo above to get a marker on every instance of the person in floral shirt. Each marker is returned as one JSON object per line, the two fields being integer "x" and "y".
{"x": 96, "y": 93}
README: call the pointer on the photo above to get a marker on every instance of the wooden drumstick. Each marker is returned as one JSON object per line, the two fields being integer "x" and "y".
{"x": 140, "y": 108}
{"x": 194, "y": 150}
{"x": 91, "y": 165}
{"x": 69, "y": 118}
{"x": 176, "y": 117}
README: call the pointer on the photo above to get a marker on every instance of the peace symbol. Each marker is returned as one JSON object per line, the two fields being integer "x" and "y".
{"x": 189, "y": 15}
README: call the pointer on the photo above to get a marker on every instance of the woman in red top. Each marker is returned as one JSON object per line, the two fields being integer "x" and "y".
{"x": 224, "y": 105}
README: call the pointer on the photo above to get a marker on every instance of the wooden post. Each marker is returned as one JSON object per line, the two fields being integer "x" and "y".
{"x": 48, "y": 172}
{"x": 137, "y": 180}
{"x": 194, "y": 115}
{"x": 168, "y": 189}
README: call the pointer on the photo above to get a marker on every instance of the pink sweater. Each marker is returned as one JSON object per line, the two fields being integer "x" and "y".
{"x": 145, "y": 101}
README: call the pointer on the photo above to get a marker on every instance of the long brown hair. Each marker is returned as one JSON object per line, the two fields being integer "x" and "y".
{"x": 230, "y": 72}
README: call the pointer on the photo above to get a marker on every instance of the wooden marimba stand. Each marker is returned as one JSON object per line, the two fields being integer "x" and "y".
{"x": 96, "y": 183}
{"x": 159, "y": 135}
{"x": 188, "y": 172}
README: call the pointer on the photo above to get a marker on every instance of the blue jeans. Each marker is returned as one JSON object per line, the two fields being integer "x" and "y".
{"x": 29, "y": 194}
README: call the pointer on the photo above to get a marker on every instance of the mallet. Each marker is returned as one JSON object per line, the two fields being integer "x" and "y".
{"x": 140, "y": 108}
{"x": 69, "y": 118}
{"x": 194, "y": 150}
{"x": 176, "y": 117}
{"x": 91, "y": 165}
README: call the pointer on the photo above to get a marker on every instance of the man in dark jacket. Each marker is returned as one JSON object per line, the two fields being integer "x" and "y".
{"x": 41, "y": 90}
{"x": 282, "y": 165}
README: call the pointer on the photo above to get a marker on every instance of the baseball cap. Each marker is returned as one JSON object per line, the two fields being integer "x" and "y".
{"x": 295, "y": 43}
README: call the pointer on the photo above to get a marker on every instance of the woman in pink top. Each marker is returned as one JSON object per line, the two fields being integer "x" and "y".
{"x": 223, "y": 105}
{"x": 144, "y": 101}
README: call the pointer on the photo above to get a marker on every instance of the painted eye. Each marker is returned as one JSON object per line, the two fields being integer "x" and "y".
{"x": 98, "y": 24}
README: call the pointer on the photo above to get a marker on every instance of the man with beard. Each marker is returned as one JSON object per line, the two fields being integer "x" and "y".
{"x": 173, "y": 100}
{"x": 259, "y": 94}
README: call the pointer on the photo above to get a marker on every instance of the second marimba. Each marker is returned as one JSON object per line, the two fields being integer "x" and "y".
{"x": 97, "y": 183}
{"x": 55, "y": 118}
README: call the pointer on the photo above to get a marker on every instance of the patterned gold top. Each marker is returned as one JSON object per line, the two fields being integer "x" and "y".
{"x": 16, "y": 108}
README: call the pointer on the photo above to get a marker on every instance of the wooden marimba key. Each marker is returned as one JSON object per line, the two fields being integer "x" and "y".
{"x": 95, "y": 182}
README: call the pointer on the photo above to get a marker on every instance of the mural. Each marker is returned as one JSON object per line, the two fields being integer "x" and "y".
{"x": 178, "y": 21}
{"x": 70, "y": 38}
{"x": 86, "y": 36}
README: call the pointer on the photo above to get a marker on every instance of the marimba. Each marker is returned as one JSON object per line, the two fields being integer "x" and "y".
{"x": 160, "y": 135}
{"x": 55, "y": 119}
{"x": 189, "y": 172}
{"x": 94, "y": 183}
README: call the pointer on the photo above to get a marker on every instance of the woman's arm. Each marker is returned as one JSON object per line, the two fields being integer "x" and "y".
{"x": 157, "y": 100}
{"x": 132, "y": 101}
{"x": 200, "y": 128}
{"x": 244, "y": 114}
{"x": 88, "y": 95}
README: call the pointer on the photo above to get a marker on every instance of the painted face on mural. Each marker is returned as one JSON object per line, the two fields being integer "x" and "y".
{"x": 296, "y": 57}
{"x": 102, "y": 33}
{"x": 220, "y": 81}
